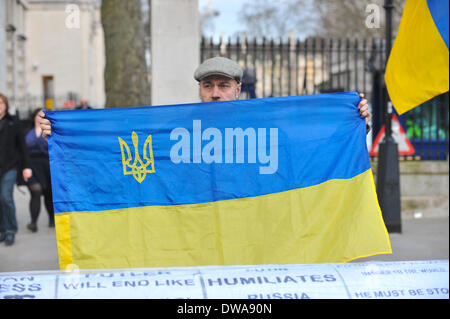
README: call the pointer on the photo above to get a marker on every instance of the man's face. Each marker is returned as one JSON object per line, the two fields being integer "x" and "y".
{"x": 219, "y": 88}
{"x": 2, "y": 108}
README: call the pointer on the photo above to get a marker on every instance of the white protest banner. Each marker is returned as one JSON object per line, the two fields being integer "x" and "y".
{"x": 369, "y": 280}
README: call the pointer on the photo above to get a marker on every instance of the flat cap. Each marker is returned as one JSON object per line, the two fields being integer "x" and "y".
{"x": 219, "y": 66}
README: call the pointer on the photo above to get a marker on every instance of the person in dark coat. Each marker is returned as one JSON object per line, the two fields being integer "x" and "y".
{"x": 83, "y": 105}
{"x": 13, "y": 159}
{"x": 39, "y": 184}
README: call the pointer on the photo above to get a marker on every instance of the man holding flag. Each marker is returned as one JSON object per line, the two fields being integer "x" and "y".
{"x": 261, "y": 181}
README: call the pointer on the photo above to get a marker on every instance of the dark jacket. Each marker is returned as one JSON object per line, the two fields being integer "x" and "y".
{"x": 13, "y": 151}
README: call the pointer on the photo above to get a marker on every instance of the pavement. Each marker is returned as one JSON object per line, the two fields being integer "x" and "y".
{"x": 424, "y": 238}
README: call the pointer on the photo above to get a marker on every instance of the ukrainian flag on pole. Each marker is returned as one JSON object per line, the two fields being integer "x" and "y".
{"x": 264, "y": 181}
{"x": 417, "y": 69}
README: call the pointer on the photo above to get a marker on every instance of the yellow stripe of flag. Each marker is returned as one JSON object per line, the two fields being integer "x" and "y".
{"x": 295, "y": 226}
{"x": 417, "y": 69}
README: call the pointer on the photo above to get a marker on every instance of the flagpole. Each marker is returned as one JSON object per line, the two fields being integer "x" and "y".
{"x": 388, "y": 174}
{"x": 389, "y": 7}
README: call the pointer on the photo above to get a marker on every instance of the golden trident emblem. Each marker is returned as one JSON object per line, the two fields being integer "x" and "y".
{"x": 138, "y": 168}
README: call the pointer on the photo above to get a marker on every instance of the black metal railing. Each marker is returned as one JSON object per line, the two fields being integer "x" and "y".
{"x": 295, "y": 67}
{"x": 317, "y": 65}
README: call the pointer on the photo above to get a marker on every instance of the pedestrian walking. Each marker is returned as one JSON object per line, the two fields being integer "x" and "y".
{"x": 13, "y": 159}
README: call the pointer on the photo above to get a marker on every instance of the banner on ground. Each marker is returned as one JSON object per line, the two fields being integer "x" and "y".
{"x": 428, "y": 279}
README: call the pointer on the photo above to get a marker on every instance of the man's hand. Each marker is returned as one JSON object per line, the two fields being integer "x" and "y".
{"x": 363, "y": 108}
{"x": 45, "y": 125}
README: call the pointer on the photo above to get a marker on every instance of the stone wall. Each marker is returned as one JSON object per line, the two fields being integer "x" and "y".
{"x": 424, "y": 188}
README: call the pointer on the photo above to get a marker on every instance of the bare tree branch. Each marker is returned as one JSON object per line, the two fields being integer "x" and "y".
{"x": 327, "y": 18}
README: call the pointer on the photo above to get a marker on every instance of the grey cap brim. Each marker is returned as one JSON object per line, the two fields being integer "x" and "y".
{"x": 219, "y": 66}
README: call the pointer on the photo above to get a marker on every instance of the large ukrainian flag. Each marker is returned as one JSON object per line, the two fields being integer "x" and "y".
{"x": 417, "y": 69}
{"x": 264, "y": 181}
